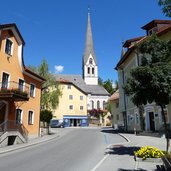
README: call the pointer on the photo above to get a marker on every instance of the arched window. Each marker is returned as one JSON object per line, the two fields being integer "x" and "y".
{"x": 93, "y": 71}
{"x": 104, "y": 104}
{"x": 92, "y": 104}
{"x": 98, "y": 104}
{"x": 88, "y": 70}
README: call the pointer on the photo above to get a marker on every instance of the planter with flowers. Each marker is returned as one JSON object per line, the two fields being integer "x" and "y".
{"x": 148, "y": 153}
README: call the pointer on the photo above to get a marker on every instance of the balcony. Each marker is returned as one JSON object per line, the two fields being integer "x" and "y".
{"x": 13, "y": 91}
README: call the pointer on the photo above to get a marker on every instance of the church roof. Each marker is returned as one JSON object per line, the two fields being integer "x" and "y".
{"x": 89, "y": 46}
{"x": 114, "y": 96}
{"x": 79, "y": 82}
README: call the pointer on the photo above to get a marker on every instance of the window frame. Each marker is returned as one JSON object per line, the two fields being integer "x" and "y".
{"x": 70, "y": 97}
{"x": 81, "y": 107}
{"x": 21, "y": 116}
{"x": 23, "y": 85}
{"x": 30, "y": 122}
{"x": 34, "y": 91}
{"x": 6, "y": 85}
{"x": 81, "y": 97}
{"x": 71, "y": 107}
{"x": 69, "y": 86}
{"x": 11, "y": 48}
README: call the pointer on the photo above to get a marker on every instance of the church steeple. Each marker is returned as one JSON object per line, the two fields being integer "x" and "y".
{"x": 89, "y": 45}
{"x": 90, "y": 70}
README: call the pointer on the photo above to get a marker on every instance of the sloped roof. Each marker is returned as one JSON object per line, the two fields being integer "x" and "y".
{"x": 13, "y": 27}
{"x": 114, "y": 96}
{"x": 132, "y": 47}
{"x": 79, "y": 82}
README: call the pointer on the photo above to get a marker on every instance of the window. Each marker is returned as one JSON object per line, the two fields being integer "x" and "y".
{"x": 88, "y": 70}
{"x": 81, "y": 97}
{"x": 92, "y": 70}
{"x": 104, "y": 104}
{"x": 8, "y": 47}
{"x": 71, "y": 107}
{"x": 92, "y": 104}
{"x": 32, "y": 90}
{"x": 90, "y": 61}
{"x": 30, "y": 117}
{"x": 98, "y": 104}
{"x": 81, "y": 107}
{"x": 70, "y": 97}
{"x": 18, "y": 116}
{"x": 21, "y": 85}
{"x": 69, "y": 86}
{"x": 5, "y": 78}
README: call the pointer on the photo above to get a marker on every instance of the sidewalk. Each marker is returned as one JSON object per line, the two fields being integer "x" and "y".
{"x": 120, "y": 157}
{"x": 31, "y": 142}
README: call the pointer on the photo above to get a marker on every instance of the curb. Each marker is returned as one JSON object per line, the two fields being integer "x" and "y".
{"x": 123, "y": 136}
{"x": 25, "y": 145}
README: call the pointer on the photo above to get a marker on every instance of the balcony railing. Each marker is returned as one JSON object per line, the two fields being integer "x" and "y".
{"x": 8, "y": 126}
{"x": 12, "y": 89}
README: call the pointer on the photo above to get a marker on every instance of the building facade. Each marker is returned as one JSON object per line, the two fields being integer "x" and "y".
{"x": 130, "y": 59}
{"x": 72, "y": 108}
{"x": 20, "y": 90}
{"x": 117, "y": 116}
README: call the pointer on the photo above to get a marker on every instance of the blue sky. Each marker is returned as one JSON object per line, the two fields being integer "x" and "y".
{"x": 55, "y": 30}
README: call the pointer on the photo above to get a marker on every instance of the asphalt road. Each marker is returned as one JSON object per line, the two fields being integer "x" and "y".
{"x": 79, "y": 149}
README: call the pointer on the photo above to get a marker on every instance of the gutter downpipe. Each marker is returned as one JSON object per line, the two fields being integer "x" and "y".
{"x": 124, "y": 113}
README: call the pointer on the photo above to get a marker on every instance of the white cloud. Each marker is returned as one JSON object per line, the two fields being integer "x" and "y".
{"x": 59, "y": 68}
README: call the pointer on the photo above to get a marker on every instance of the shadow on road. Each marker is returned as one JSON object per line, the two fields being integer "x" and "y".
{"x": 122, "y": 150}
{"x": 131, "y": 170}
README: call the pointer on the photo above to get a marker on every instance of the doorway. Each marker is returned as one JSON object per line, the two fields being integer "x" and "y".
{"x": 152, "y": 122}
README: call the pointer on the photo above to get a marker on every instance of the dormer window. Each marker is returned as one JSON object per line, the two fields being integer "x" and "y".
{"x": 90, "y": 61}
{"x": 8, "y": 47}
{"x": 152, "y": 31}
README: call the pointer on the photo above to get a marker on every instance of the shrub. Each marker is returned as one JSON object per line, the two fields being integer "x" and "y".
{"x": 149, "y": 152}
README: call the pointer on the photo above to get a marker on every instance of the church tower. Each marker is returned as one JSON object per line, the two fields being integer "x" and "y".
{"x": 90, "y": 68}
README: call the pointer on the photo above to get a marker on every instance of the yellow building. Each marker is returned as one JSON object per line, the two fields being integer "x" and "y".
{"x": 117, "y": 116}
{"x": 72, "y": 108}
{"x": 20, "y": 90}
{"x": 130, "y": 59}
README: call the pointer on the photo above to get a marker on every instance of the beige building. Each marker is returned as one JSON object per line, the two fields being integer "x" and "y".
{"x": 130, "y": 59}
{"x": 72, "y": 108}
{"x": 117, "y": 116}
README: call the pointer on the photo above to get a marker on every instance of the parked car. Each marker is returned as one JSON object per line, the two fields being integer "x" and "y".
{"x": 54, "y": 123}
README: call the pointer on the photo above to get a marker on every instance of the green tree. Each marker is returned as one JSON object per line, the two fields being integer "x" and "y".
{"x": 45, "y": 117}
{"x": 166, "y": 7}
{"x": 108, "y": 85}
{"x": 50, "y": 90}
{"x": 100, "y": 81}
{"x": 150, "y": 82}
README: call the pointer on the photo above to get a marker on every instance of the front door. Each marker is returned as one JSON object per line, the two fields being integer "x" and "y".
{"x": 152, "y": 123}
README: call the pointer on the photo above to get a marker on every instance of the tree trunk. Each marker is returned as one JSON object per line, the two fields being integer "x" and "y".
{"x": 165, "y": 129}
{"x": 142, "y": 119}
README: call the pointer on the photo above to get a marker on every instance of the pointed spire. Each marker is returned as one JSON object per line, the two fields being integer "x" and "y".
{"x": 89, "y": 46}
